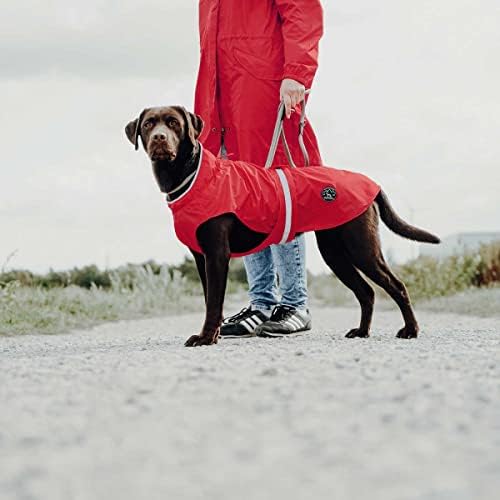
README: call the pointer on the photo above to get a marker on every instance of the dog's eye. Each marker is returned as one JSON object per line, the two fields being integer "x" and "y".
{"x": 147, "y": 124}
{"x": 173, "y": 122}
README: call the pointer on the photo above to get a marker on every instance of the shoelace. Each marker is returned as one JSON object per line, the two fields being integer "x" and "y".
{"x": 244, "y": 313}
{"x": 282, "y": 313}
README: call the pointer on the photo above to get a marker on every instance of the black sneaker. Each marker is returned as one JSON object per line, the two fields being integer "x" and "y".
{"x": 242, "y": 324}
{"x": 285, "y": 320}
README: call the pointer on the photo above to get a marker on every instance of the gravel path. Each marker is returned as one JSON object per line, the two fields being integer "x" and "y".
{"x": 124, "y": 411}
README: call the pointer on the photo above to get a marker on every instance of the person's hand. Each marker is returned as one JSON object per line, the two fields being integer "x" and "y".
{"x": 291, "y": 92}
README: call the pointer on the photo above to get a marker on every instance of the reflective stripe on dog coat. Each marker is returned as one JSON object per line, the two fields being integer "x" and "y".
{"x": 279, "y": 202}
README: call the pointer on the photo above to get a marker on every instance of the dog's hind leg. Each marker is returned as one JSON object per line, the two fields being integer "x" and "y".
{"x": 362, "y": 243}
{"x": 335, "y": 257}
{"x": 380, "y": 273}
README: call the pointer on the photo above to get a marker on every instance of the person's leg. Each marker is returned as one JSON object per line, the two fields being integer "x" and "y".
{"x": 291, "y": 315}
{"x": 290, "y": 261}
{"x": 261, "y": 277}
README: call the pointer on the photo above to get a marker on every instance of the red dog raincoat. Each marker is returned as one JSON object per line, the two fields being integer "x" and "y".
{"x": 280, "y": 202}
{"x": 247, "y": 47}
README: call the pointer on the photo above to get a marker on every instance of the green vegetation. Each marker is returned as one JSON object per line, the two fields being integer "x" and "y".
{"x": 427, "y": 278}
{"x": 130, "y": 292}
{"x": 462, "y": 284}
{"x": 129, "y": 276}
{"x": 58, "y": 301}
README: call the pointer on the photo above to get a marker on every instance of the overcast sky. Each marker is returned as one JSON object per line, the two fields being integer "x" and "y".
{"x": 407, "y": 92}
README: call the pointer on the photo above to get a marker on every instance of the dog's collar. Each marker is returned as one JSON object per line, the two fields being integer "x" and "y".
{"x": 181, "y": 185}
{"x": 190, "y": 179}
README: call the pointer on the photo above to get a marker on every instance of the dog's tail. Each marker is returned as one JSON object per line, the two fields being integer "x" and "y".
{"x": 398, "y": 225}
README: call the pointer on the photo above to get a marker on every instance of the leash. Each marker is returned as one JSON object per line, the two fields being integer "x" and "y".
{"x": 279, "y": 132}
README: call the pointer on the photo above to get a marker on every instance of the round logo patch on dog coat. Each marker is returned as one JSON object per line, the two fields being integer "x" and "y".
{"x": 329, "y": 193}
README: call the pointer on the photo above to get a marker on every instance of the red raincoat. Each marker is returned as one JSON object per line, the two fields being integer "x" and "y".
{"x": 247, "y": 48}
{"x": 278, "y": 202}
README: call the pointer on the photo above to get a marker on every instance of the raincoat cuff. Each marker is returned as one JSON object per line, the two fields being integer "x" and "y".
{"x": 300, "y": 73}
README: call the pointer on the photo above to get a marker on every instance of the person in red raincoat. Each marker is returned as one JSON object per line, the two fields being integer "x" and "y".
{"x": 252, "y": 54}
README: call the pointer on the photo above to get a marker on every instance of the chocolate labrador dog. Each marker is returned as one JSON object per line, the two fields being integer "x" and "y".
{"x": 169, "y": 136}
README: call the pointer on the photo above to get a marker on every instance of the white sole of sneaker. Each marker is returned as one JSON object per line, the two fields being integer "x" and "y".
{"x": 246, "y": 336}
{"x": 278, "y": 334}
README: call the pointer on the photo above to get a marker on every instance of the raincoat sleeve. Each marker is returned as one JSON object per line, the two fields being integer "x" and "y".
{"x": 302, "y": 29}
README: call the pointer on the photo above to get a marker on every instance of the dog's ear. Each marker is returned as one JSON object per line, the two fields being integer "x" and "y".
{"x": 197, "y": 122}
{"x": 133, "y": 130}
{"x": 194, "y": 124}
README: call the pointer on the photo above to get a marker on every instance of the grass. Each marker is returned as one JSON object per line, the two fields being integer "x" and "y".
{"x": 60, "y": 301}
{"x": 426, "y": 277}
{"x": 25, "y": 310}
{"x": 463, "y": 284}
{"x": 484, "y": 302}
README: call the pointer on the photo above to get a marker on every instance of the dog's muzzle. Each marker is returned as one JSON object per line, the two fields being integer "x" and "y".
{"x": 160, "y": 151}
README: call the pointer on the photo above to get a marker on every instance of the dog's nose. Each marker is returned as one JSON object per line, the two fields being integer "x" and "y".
{"x": 159, "y": 137}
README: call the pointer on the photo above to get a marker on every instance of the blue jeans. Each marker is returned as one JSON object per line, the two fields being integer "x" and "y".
{"x": 289, "y": 260}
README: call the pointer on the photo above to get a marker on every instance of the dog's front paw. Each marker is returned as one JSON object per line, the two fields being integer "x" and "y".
{"x": 198, "y": 340}
{"x": 407, "y": 333}
{"x": 357, "y": 333}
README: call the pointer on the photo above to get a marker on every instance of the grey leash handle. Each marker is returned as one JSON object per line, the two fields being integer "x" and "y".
{"x": 279, "y": 132}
